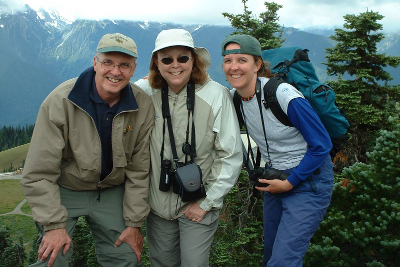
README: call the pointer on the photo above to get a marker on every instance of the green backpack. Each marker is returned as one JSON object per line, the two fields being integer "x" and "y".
{"x": 292, "y": 65}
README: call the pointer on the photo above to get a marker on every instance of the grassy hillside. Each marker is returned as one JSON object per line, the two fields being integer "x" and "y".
{"x": 11, "y": 195}
{"x": 14, "y": 156}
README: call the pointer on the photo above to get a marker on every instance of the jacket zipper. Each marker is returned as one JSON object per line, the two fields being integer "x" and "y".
{"x": 112, "y": 149}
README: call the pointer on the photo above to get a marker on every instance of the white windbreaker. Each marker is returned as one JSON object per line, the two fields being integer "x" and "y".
{"x": 218, "y": 144}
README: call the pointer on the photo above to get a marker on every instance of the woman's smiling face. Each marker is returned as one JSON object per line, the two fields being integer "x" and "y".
{"x": 176, "y": 74}
{"x": 241, "y": 71}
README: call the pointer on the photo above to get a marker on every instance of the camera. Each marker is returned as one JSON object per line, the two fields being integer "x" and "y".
{"x": 256, "y": 174}
{"x": 165, "y": 180}
{"x": 268, "y": 174}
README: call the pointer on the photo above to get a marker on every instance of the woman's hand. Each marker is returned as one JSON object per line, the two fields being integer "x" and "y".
{"x": 275, "y": 186}
{"x": 194, "y": 212}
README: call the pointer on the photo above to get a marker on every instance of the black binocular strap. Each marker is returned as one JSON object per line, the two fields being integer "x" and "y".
{"x": 167, "y": 115}
{"x": 190, "y": 107}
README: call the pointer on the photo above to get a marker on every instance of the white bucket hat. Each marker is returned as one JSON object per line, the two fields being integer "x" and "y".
{"x": 180, "y": 37}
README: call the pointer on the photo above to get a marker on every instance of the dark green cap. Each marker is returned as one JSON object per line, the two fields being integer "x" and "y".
{"x": 248, "y": 45}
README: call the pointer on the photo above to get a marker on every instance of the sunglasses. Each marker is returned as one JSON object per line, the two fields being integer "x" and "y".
{"x": 181, "y": 59}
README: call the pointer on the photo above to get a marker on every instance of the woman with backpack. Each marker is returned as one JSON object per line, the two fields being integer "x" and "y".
{"x": 294, "y": 205}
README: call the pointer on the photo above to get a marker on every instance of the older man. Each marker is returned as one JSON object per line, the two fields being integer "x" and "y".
{"x": 89, "y": 156}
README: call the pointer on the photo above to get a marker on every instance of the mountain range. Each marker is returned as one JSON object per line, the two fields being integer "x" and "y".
{"x": 40, "y": 49}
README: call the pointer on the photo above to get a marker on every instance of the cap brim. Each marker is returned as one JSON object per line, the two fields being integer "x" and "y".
{"x": 117, "y": 49}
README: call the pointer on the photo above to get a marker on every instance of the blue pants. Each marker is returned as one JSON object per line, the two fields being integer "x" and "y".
{"x": 292, "y": 218}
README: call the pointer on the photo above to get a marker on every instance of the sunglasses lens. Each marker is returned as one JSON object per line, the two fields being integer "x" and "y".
{"x": 183, "y": 59}
{"x": 167, "y": 60}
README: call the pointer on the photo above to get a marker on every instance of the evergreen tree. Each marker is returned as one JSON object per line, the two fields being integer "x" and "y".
{"x": 12, "y": 137}
{"x": 33, "y": 253}
{"x": 364, "y": 94}
{"x": 265, "y": 29}
{"x": 11, "y": 252}
{"x": 84, "y": 251}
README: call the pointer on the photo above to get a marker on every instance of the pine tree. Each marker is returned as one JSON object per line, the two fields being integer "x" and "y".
{"x": 11, "y": 252}
{"x": 361, "y": 88}
{"x": 266, "y": 29}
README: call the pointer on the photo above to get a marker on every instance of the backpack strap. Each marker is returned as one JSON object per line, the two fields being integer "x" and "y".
{"x": 236, "y": 102}
{"x": 270, "y": 100}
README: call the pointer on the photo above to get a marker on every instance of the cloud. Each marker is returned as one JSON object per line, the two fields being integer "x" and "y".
{"x": 294, "y": 13}
{"x": 11, "y": 7}
{"x": 329, "y": 14}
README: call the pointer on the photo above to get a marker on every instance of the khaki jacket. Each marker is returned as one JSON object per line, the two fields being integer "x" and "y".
{"x": 218, "y": 145}
{"x": 65, "y": 151}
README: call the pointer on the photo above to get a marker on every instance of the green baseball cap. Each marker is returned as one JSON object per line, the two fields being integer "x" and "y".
{"x": 248, "y": 45}
{"x": 117, "y": 42}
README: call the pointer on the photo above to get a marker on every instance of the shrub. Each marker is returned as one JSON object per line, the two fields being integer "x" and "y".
{"x": 364, "y": 217}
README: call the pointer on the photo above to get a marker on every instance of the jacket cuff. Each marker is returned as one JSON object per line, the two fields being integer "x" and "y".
{"x": 54, "y": 226}
{"x": 294, "y": 179}
{"x": 133, "y": 224}
{"x": 207, "y": 204}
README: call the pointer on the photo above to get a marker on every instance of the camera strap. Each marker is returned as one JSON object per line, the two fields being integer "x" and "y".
{"x": 258, "y": 159}
{"x": 167, "y": 120}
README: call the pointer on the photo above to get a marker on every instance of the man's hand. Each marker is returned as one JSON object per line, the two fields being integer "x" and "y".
{"x": 275, "y": 186}
{"x": 194, "y": 212}
{"x": 134, "y": 238}
{"x": 52, "y": 242}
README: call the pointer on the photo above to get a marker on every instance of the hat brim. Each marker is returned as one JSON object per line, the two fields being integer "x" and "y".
{"x": 116, "y": 49}
{"x": 201, "y": 51}
{"x": 205, "y": 55}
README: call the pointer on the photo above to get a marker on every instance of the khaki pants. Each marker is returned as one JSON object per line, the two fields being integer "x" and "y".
{"x": 180, "y": 242}
{"x": 106, "y": 222}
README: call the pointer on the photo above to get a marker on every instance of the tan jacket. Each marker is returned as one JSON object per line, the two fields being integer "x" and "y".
{"x": 218, "y": 145}
{"x": 65, "y": 151}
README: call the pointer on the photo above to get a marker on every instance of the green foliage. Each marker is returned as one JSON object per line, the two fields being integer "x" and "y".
{"x": 11, "y": 251}
{"x": 33, "y": 253}
{"x": 323, "y": 252}
{"x": 365, "y": 96}
{"x": 265, "y": 29}
{"x": 239, "y": 237}
{"x": 363, "y": 219}
{"x": 84, "y": 250}
{"x": 20, "y": 225}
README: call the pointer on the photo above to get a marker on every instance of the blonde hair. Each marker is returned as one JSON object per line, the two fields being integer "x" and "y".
{"x": 198, "y": 75}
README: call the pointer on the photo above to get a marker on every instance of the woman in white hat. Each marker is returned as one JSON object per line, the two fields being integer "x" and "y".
{"x": 196, "y": 125}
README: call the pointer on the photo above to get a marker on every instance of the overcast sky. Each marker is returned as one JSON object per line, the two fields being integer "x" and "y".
{"x": 295, "y": 13}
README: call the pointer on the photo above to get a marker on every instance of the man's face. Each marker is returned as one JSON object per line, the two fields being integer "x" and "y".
{"x": 113, "y": 72}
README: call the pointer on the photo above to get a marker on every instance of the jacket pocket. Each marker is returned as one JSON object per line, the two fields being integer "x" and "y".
{"x": 86, "y": 171}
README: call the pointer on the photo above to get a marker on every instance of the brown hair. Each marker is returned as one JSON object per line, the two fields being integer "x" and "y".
{"x": 264, "y": 70}
{"x": 198, "y": 75}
